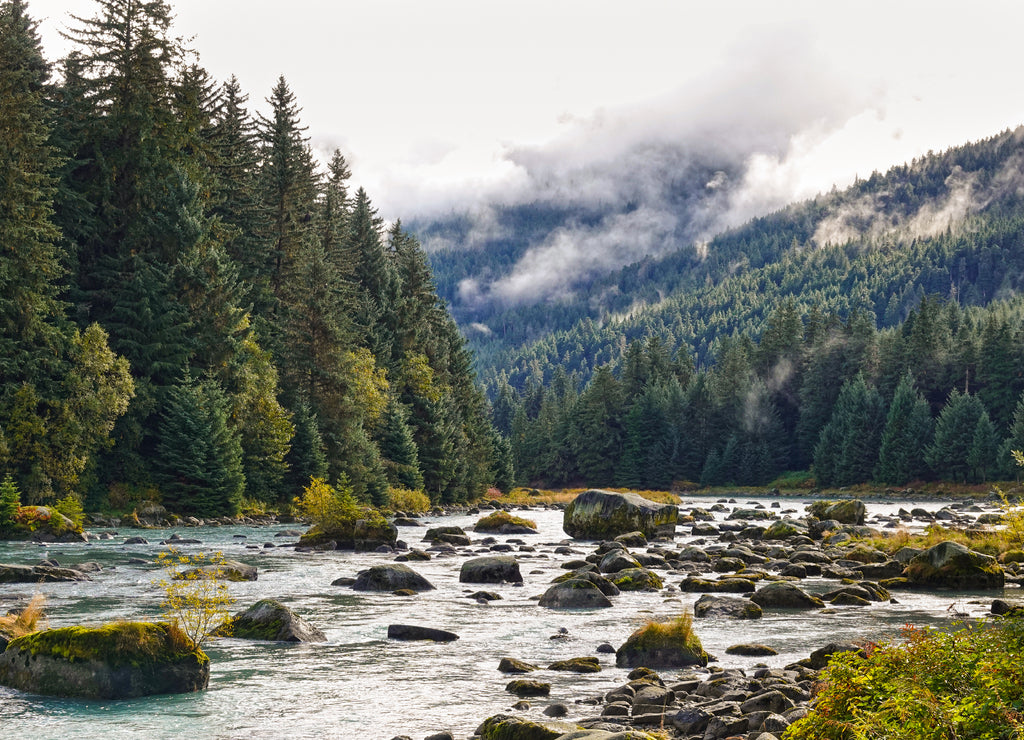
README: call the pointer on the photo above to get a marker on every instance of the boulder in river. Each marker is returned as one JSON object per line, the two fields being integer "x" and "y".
{"x": 38, "y": 574}
{"x": 491, "y": 569}
{"x": 951, "y": 565}
{"x": 115, "y": 661}
{"x": 574, "y": 593}
{"x": 449, "y": 535}
{"x": 599, "y": 515}
{"x": 505, "y": 727}
{"x": 415, "y": 632}
{"x": 663, "y": 645}
{"x": 784, "y": 595}
{"x": 271, "y": 621}
{"x": 851, "y": 511}
{"x": 230, "y": 570}
{"x": 391, "y": 577}
{"x": 728, "y": 607}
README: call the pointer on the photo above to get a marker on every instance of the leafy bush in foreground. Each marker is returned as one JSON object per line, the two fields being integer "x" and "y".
{"x": 932, "y": 686}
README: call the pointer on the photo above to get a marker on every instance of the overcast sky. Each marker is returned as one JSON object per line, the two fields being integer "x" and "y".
{"x": 440, "y": 104}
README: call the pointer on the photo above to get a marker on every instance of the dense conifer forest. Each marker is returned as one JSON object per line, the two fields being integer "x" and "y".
{"x": 194, "y": 309}
{"x": 870, "y": 334}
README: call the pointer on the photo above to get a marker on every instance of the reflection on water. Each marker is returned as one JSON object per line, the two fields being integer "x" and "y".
{"x": 360, "y": 683}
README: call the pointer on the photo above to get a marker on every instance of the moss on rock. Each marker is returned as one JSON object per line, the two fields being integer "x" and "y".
{"x": 119, "y": 660}
{"x": 663, "y": 645}
{"x": 602, "y": 515}
{"x": 501, "y": 522}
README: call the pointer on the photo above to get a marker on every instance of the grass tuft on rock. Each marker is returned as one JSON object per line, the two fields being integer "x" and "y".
{"x": 494, "y": 522}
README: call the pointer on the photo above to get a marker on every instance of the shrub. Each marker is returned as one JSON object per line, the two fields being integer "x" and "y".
{"x": 195, "y": 601}
{"x": 411, "y": 502}
{"x": 932, "y": 686}
{"x": 71, "y": 507}
{"x": 327, "y": 506}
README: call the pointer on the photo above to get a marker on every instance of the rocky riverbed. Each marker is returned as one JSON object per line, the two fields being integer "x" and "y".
{"x": 728, "y": 558}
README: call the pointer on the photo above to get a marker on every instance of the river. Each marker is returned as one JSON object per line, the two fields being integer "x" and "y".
{"x": 360, "y": 684}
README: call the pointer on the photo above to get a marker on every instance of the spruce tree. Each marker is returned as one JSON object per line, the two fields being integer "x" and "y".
{"x": 907, "y": 433}
{"x": 306, "y": 458}
{"x": 398, "y": 449}
{"x": 954, "y": 437}
{"x": 199, "y": 463}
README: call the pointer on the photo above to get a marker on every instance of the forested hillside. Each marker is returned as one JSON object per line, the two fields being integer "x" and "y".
{"x": 818, "y": 337}
{"x": 947, "y": 224}
{"x": 192, "y": 308}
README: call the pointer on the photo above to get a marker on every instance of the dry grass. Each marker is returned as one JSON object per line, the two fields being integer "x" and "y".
{"x": 527, "y": 496}
{"x": 27, "y": 621}
{"x": 989, "y": 542}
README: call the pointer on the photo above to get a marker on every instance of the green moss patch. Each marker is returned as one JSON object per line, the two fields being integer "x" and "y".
{"x": 116, "y": 644}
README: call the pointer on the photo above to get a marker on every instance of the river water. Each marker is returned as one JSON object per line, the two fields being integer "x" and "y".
{"x": 360, "y": 684}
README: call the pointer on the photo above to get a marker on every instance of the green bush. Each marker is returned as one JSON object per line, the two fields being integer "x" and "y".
{"x": 931, "y": 686}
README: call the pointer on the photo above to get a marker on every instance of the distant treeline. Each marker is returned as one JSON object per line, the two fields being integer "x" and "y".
{"x": 192, "y": 308}
{"x": 937, "y": 397}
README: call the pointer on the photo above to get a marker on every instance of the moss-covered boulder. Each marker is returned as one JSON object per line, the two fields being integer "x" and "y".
{"x": 364, "y": 533}
{"x": 782, "y": 529}
{"x": 501, "y": 522}
{"x": 663, "y": 645}
{"x": 512, "y": 665}
{"x": 607, "y": 587}
{"x": 574, "y": 593}
{"x": 525, "y": 687}
{"x": 116, "y": 661}
{"x": 391, "y": 577}
{"x": 603, "y": 515}
{"x": 637, "y": 579}
{"x": 851, "y": 511}
{"x": 951, "y": 565}
{"x": 41, "y": 523}
{"x": 504, "y": 727}
{"x": 588, "y": 664}
{"x": 491, "y": 569}
{"x": 271, "y": 621}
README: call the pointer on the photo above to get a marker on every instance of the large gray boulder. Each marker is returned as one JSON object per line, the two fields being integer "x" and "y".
{"x": 951, "y": 565}
{"x": 603, "y": 515}
{"x": 491, "y": 569}
{"x": 575, "y": 593}
{"x": 116, "y": 661}
{"x": 725, "y": 607}
{"x": 784, "y": 595}
{"x": 851, "y": 511}
{"x": 272, "y": 621}
{"x": 230, "y": 570}
{"x": 391, "y": 577}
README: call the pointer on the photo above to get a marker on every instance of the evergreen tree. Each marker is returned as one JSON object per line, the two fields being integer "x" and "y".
{"x": 598, "y": 437}
{"x": 306, "y": 458}
{"x": 503, "y": 474}
{"x": 954, "y": 437}
{"x": 60, "y": 390}
{"x": 398, "y": 448}
{"x": 983, "y": 455}
{"x": 847, "y": 450}
{"x": 199, "y": 464}
{"x": 907, "y": 433}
